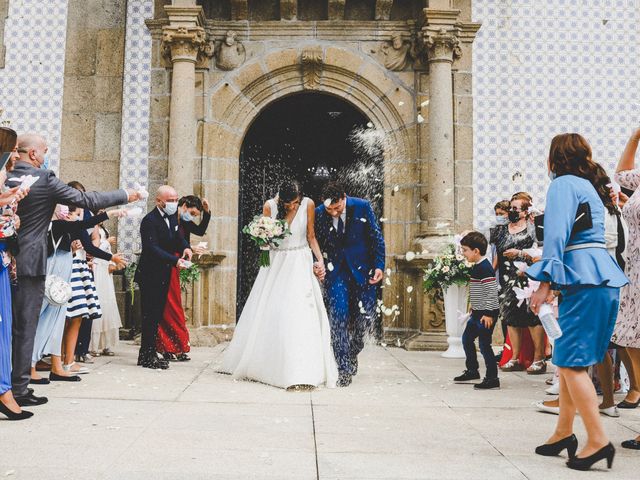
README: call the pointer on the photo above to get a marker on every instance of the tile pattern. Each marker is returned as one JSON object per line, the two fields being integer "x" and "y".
{"x": 543, "y": 67}
{"x": 31, "y": 83}
{"x": 134, "y": 144}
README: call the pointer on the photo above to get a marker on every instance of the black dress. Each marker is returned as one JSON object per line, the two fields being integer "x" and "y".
{"x": 510, "y": 313}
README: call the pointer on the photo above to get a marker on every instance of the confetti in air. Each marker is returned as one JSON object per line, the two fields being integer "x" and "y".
{"x": 400, "y": 104}
{"x": 409, "y": 289}
{"x": 420, "y": 119}
{"x": 425, "y": 103}
{"x": 330, "y": 266}
{"x": 410, "y": 256}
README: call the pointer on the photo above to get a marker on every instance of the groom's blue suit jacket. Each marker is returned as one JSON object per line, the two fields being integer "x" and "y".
{"x": 361, "y": 249}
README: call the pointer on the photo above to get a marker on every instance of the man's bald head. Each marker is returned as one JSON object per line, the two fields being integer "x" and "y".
{"x": 166, "y": 194}
{"x": 32, "y": 148}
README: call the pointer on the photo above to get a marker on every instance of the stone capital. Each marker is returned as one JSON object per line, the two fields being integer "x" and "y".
{"x": 186, "y": 44}
{"x": 441, "y": 45}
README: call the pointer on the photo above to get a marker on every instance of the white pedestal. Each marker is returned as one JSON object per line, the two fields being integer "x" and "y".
{"x": 455, "y": 305}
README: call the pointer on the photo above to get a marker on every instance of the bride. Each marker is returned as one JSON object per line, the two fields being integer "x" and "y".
{"x": 283, "y": 336}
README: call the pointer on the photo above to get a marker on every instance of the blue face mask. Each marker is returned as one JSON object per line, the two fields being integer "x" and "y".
{"x": 552, "y": 176}
{"x": 186, "y": 217}
{"x": 170, "y": 208}
{"x": 501, "y": 220}
{"x": 45, "y": 165}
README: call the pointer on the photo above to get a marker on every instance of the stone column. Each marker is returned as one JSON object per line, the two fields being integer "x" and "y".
{"x": 440, "y": 40}
{"x": 185, "y": 42}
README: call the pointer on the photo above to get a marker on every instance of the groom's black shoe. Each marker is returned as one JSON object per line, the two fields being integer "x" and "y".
{"x": 344, "y": 380}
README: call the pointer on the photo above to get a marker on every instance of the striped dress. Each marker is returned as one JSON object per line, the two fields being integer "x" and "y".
{"x": 84, "y": 302}
{"x": 483, "y": 290}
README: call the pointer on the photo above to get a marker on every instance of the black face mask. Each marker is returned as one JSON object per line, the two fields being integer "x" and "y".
{"x": 514, "y": 216}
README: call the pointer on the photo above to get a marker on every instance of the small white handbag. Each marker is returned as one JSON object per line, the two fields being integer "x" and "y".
{"x": 57, "y": 291}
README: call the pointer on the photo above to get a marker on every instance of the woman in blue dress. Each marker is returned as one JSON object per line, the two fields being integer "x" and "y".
{"x": 575, "y": 262}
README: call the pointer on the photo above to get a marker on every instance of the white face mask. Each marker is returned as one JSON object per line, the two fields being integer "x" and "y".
{"x": 170, "y": 208}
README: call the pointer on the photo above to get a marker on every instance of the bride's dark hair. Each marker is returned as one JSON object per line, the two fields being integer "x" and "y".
{"x": 289, "y": 191}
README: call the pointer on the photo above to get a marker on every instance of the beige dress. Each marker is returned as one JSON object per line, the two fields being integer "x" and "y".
{"x": 627, "y": 330}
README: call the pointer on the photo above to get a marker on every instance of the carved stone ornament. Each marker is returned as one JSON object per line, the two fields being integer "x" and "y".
{"x": 398, "y": 53}
{"x": 312, "y": 63}
{"x": 230, "y": 53}
{"x": 442, "y": 45}
{"x": 186, "y": 44}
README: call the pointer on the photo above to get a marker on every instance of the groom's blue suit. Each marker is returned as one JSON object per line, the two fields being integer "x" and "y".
{"x": 352, "y": 258}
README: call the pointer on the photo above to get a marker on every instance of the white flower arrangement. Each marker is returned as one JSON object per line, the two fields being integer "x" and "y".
{"x": 449, "y": 268}
{"x": 266, "y": 233}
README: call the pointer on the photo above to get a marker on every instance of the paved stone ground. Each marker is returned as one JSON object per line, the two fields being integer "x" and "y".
{"x": 401, "y": 419}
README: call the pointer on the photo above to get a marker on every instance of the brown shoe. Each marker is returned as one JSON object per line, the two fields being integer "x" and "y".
{"x": 43, "y": 366}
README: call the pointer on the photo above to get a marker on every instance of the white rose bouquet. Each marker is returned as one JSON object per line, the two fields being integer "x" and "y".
{"x": 266, "y": 233}
{"x": 448, "y": 268}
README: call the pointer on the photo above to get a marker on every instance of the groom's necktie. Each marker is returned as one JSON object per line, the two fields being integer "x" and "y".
{"x": 340, "y": 227}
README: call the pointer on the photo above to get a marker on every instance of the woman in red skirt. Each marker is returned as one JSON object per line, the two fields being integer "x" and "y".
{"x": 173, "y": 334}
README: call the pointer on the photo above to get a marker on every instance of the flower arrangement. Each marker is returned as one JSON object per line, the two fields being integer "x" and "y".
{"x": 188, "y": 276}
{"x": 449, "y": 268}
{"x": 266, "y": 233}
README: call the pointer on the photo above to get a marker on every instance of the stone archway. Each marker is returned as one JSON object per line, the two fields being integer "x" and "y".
{"x": 240, "y": 96}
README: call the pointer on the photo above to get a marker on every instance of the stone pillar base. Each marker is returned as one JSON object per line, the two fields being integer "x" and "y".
{"x": 427, "y": 341}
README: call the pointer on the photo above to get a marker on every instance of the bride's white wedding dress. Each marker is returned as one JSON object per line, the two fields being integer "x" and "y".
{"x": 283, "y": 337}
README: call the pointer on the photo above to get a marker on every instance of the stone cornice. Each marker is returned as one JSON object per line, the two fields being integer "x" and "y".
{"x": 467, "y": 31}
{"x": 276, "y": 30}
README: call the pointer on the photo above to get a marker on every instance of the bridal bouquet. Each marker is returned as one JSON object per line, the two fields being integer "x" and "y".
{"x": 449, "y": 268}
{"x": 266, "y": 233}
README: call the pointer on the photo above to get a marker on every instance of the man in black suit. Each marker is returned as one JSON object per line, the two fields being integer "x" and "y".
{"x": 160, "y": 240}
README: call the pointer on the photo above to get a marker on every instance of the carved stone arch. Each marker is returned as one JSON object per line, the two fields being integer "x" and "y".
{"x": 381, "y": 96}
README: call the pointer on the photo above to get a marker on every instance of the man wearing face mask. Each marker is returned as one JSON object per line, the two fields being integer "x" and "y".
{"x": 160, "y": 241}
{"x": 35, "y": 212}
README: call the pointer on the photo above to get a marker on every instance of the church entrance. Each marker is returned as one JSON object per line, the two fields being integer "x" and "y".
{"x": 311, "y": 137}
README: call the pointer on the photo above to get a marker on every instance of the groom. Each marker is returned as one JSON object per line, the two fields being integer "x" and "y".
{"x": 350, "y": 237}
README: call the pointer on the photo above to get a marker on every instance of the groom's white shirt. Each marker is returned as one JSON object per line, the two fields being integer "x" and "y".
{"x": 343, "y": 217}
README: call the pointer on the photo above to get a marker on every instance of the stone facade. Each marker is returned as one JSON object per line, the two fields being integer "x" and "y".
{"x": 92, "y": 105}
{"x": 343, "y": 55}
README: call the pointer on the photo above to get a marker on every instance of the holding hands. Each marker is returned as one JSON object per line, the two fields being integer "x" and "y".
{"x": 319, "y": 270}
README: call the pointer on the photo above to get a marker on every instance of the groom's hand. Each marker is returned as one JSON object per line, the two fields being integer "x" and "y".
{"x": 187, "y": 254}
{"x": 377, "y": 277}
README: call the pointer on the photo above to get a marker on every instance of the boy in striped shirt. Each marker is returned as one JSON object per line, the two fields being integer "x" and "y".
{"x": 484, "y": 313}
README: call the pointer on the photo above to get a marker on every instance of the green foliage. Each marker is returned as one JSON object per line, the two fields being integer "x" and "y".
{"x": 129, "y": 274}
{"x": 189, "y": 276}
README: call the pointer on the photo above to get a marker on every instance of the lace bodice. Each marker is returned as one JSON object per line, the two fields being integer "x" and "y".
{"x": 298, "y": 227}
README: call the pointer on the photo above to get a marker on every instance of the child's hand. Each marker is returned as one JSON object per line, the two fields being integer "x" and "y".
{"x": 487, "y": 321}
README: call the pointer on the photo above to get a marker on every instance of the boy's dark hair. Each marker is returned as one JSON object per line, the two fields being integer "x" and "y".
{"x": 475, "y": 240}
{"x": 502, "y": 205}
{"x": 192, "y": 202}
{"x": 334, "y": 191}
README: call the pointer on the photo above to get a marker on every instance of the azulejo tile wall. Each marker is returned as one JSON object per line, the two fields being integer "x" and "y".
{"x": 134, "y": 145}
{"x": 543, "y": 67}
{"x": 31, "y": 83}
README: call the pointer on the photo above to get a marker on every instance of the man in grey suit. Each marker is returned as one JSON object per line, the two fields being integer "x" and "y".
{"x": 35, "y": 213}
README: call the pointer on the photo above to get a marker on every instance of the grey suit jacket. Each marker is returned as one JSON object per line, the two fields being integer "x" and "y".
{"x": 36, "y": 209}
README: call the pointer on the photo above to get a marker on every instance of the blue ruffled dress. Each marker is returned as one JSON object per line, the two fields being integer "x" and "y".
{"x": 589, "y": 279}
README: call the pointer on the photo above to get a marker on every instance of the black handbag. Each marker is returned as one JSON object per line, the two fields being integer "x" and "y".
{"x": 583, "y": 222}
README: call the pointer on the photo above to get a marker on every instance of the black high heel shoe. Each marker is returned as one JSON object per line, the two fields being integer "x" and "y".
{"x": 586, "y": 463}
{"x": 554, "y": 449}
{"x": 11, "y": 415}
